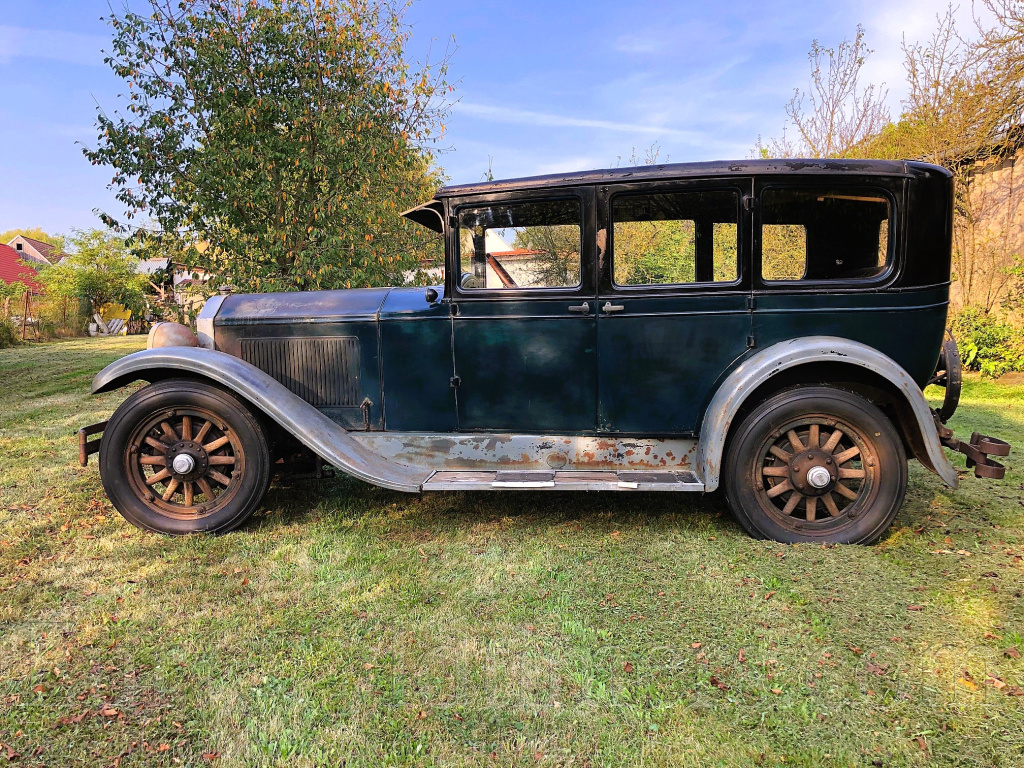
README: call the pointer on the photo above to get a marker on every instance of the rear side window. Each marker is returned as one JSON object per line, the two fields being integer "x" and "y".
{"x": 824, "y": 234}
{"x": 671, "y": 238}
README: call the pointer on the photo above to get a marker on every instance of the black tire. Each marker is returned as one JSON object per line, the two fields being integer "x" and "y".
{"x": 866, "y": 468}
{"x": 219, "y": 435}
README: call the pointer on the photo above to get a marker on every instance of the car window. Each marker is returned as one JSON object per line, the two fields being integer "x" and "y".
{"x": 824, "y": 233}
{"x": 520, "y": 245}
{"x": 675, "y": 237}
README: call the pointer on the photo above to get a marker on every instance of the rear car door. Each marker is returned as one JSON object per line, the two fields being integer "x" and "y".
{"x": 673, "y": 303}
{"x": 523, "y": 312}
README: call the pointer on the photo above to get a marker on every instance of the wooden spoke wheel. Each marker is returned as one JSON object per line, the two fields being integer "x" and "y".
{"x": 181, "y": 456}
{"x": 185, "y": 462}
{"x": 816, "y": 464}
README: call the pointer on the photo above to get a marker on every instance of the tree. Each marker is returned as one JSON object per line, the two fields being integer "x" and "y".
{"x": 287, "y": 135}
{"x": 100, "y": 270}
{"x": 36, "y": 233}
{"x": 836, "y": 114}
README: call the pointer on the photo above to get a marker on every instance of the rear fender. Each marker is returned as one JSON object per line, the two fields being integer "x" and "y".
{"x": 757, "y": 369}
{"x": 264, "y": 393}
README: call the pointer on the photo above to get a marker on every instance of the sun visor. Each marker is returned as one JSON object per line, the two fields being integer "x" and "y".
{"x": 429, "y": 215}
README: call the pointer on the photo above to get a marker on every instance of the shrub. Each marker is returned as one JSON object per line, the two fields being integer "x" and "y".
{"x": 9, "y": 334}
{"x": 988, "y": 344}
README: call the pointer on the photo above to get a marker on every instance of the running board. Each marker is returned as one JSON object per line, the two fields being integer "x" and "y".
{"x": 565, "y": 480}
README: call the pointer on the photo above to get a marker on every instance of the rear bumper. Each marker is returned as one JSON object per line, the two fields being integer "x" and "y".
{"x": 978, "y": 451}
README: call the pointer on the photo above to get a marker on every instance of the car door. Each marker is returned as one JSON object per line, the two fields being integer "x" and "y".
{"x": 523, "y": 312}
{"x": 673, "y": 303}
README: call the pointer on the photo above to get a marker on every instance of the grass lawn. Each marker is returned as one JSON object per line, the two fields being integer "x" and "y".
{"x": 350, "y": 625}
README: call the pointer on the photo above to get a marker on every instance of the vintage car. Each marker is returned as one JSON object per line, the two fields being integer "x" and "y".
{"x": 768, "y": 326}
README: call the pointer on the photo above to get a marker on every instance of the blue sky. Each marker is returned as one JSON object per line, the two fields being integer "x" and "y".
{"x": 543, "y": 86}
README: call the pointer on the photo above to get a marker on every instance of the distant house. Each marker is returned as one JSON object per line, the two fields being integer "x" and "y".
{"x": 14, "y": 268}
{"x": 36, "y": 251}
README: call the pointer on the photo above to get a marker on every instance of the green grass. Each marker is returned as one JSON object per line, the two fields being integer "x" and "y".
{"x": 351, "y": 625}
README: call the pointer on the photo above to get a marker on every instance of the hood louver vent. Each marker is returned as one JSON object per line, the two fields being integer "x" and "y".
{"x": 323, "y": 372}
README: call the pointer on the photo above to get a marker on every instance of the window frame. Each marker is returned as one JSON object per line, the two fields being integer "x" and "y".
{"x": 741, "y": 186}
{"x": 872, "y": 186}
{"x": 456, "y": 207}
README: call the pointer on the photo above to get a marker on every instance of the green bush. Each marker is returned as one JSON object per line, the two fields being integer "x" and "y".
{"x": 9, "y": 335}
{"x": 988, "y": 344}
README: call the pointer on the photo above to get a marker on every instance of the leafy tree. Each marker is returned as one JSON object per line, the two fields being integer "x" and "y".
{"x": 286, "y": 134}
{"x": 100, "y": 270}
{"x": 36, "y": 233}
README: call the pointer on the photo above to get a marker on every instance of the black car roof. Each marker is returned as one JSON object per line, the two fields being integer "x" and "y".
{"x": 704, "y": 169}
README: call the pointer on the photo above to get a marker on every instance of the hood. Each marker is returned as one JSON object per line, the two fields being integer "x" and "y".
{"x": 301, "y": 306}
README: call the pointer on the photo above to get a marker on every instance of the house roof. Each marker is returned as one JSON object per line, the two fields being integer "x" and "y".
{"x": 14, "y": 270}
{"x": 51, "y": 254}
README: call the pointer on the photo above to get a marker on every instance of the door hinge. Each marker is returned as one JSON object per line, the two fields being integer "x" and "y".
{"x": 453, "y": 222}
{"x": 751, "y": 303}
{"x": 749, "y": 202}
{"x": 455, "y": 381}
{"x": 751, "y": 343}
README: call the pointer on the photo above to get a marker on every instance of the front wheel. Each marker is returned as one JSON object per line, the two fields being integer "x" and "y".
{"x": 182, "y": 456}
{"x": 815, "y": 464}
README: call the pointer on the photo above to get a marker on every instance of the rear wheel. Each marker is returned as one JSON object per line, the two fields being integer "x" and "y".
{"x": 182, "y": 456}
{"x": 816, "y": 464}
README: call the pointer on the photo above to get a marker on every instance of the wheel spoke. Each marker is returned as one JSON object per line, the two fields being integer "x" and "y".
{"x": 152, "y": 442}
{"x": 186, "y": 428}
{"x": 812, "y": 506}
{"x": 795, "y": 441}
{"x": 169, "y": 431}
{"x": 830, "y": 504}
{"x": 171, "y": 488}
{"x": 842, "y": 490}
{"x": 767, "y": 471}
{"x": 189, "y": 493}
{"x": 202, "y": 432}
{"x": 204, "y": 486}
{"x": 156, "y": 461}
{"x": 780, "y": 454}
{"x": 215, "y": 475}
{"x": 833, "y": 441}
{"x": 812, "y": 439}
{"x": 161, "y": 475}
{"x": 220, "y": 442}
{"x": 845, "y": 456}
{"x": 791, "y": 504}
{"x": 852, "y": 474}
{"x": 779, "y": 489}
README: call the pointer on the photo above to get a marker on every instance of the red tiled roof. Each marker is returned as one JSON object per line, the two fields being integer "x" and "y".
{"x": 13, "y": 270}
{"x": 49, "y": 252}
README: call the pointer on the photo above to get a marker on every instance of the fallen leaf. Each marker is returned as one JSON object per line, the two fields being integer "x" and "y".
{"x": 719, "y": 684}
{"x": 922, "y": 743}
{"x": 913, "y": 607}
{"x": 11, "y": 754}
{"x": 627, "y": 667}
{"x": 109, "y": 711}
{"x": 39, "y": 689}
{"x": 163, "y": 748}
{"x": 776, "y": 691}
{"x": 211, "y": 755}
{"x": 1011, "y": 653}
{"x": 742, "y": 657}
{"x": 995, "y": 681}
{"x": 421, "y": 715}
{"x": 695, "y": 645}
{"x": 769, "y": 595}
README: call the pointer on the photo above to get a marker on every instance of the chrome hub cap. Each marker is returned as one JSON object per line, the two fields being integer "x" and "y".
{"x": 183, "y": 464}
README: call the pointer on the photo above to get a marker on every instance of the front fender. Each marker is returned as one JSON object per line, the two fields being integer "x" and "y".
{"x": 309, "y": 426}
{"x": 758, "y": 368}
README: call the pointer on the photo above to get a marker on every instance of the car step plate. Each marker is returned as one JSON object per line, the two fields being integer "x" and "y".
{"x": 564, "y": 480}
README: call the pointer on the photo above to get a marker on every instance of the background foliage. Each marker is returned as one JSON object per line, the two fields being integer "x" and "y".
{"x": 286, "y": 135}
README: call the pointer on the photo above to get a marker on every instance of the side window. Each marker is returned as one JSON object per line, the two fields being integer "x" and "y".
{"x": 520, "y": 245}
{"x": 668, "y": 238}
{"x": 824, "y": 233}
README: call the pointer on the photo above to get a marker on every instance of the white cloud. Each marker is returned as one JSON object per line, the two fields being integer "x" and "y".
{"x": 55, "y": 45}
{"x": 513, "y": 116}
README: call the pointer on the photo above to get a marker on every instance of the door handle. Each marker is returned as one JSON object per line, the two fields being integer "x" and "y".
{"x": 608, "y": 307}
{"x": 583, "y": 309}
